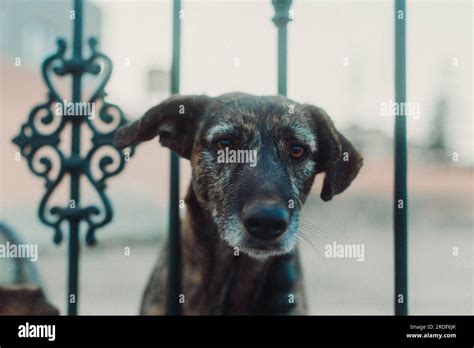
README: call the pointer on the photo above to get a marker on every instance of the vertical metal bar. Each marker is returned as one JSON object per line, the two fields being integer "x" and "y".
{"x": 174, "y": 268}
{"x": 281, "y": 19}
{"x": 282, "y": 60}
{"x": 75, "y": 174}
{"x": 400, "y": 197}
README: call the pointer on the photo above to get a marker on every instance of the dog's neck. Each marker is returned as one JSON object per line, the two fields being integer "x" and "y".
{"x": 216, "y": 278}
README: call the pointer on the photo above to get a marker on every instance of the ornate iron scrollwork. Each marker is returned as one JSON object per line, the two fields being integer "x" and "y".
{"x": 44, "y": 129}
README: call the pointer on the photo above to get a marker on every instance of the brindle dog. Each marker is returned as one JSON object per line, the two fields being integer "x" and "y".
{"x": 240, "y": 234}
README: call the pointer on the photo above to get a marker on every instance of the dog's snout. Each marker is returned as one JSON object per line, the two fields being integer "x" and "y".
{"x": 265, "y": 220}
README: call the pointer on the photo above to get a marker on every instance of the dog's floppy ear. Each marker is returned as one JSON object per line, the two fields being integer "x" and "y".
{"x": 336, "y": 156}
{"x": 174, "y": 120}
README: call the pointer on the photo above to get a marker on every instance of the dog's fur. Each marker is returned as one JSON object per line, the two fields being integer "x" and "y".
{"x": 265, "y": 277}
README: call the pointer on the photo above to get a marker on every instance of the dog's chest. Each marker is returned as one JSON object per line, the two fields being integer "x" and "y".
{"x": 218, "y": 282}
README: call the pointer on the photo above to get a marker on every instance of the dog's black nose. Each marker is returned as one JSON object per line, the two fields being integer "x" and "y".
{"x": 265, "y": 220}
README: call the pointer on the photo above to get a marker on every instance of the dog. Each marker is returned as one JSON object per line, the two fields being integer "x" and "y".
{"x": 239, "y": 237}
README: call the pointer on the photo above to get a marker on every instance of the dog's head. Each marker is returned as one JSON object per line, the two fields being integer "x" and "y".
{"x": 253, "y": 160}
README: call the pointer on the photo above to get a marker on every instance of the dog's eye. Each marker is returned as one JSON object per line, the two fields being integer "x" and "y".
{"x": 223, "y": 143}
{"x": 297, "y": 151}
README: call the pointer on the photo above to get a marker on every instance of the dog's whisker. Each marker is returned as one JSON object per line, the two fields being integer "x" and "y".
{"x": 304, "y": 238}
{"x": 319, "y": 241}
{"x": 315, "y": 227}
{"x": 321, "y": 220}
{"x": 319, "y": 238}
{"x": 320, "y": 254}
{"x": 312, "y": 231}
{"x": 323, "y": 227}
{"x": 315, "y": 231}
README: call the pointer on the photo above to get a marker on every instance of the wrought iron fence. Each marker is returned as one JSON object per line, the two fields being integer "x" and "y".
{"x": 401, "y": 194}
{"x": 174, "y": 229}
{"x": 32, "y": 139}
